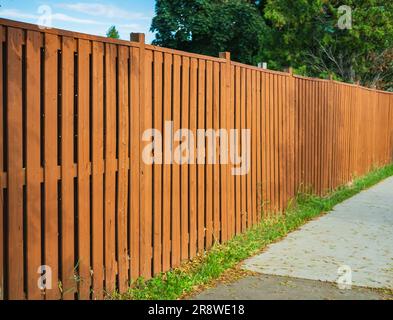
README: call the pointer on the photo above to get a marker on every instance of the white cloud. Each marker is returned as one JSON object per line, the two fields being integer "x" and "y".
{"x": 17, "y": 14}
{"x": 131, "y": 26}
{"x": 108, "y": 11}
{"x": 67, "y": 18}
{"x": 12, "y": 13}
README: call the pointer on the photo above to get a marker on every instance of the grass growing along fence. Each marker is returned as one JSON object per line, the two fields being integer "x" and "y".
{"x": 209, "y": 266}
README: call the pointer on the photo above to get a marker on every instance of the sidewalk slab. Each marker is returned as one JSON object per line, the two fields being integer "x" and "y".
{"x": 355, "y": 239}
{"x": 268, "y": 287}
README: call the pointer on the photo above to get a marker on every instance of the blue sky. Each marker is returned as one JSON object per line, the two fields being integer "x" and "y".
{"x": 93, "y": 17}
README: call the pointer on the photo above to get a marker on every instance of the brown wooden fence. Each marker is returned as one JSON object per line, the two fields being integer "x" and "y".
{"x": 75, "y": 194}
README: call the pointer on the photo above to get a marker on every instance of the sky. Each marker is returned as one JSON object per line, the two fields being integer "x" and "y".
{"x": 92, "y": 17}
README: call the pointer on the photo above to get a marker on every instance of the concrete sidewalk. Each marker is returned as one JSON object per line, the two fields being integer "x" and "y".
{"x": 354, "y": 242}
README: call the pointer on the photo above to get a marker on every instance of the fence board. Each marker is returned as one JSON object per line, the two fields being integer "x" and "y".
{"x": 200, "y": 143}
{"x": 146, "y": 187}
{"x": 254, "y": 133}
{"x": 110, "y": 166}
{"x": 123, "y": 154}
{"x": 193, "y": 172}
{"x": 97, "y": 194}
{"x": 83, "y": 129}
{"x": 33, "y": 139}
{"x": 67, "y": 165}
{"x": 185, "y": 166}
{"x": 15, "y": 164}
{"x": 175, "y": 239}
{"x": 51, "y": 206}
{"x": 237, "y": 111}
{"x": 134, "y": 225}
{"x": 158, "y": 193}
{"x": 243, "y": 127}
{"x": 223, "y": 154}
{"x": 258, "y": 149}
{"x": 209, "y": 156}
{"x": 248, "y": 125}
{"x": 216, "y": 168}
{"x": 167, "y": 168}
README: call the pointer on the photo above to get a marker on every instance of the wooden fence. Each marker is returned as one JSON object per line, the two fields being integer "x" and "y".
{"x": 76, "y": 195}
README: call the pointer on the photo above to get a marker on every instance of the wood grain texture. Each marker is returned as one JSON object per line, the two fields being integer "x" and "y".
{"x": 15, "y": 164}
{"x": 97, "y": 125}
{"x": 83, "y": 127}
{"x": 33, "y": 165}
{"x": 69, "y": 286}
{"x": 51, "y": 132}
{"x": 110, "y": 167}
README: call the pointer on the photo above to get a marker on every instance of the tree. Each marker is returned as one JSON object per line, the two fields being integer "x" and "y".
{"x": 303, "y": 34}
{"x": 211, "y": 26}
{"x": 306, "y": 35}
{"x": 113, "y": 33}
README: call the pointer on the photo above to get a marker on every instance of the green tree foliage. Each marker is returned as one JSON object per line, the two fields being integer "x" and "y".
{"x": 303, "y": 34}
{"x": 210, "y": 27}
{"x": 306, "y": 35}
{"x": 113, "y": 33}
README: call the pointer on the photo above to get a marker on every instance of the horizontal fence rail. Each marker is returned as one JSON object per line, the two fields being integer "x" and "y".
{"x": 78, "y": 205}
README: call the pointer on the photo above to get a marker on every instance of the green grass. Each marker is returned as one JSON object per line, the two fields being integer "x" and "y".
{"x": 180, "y": 281}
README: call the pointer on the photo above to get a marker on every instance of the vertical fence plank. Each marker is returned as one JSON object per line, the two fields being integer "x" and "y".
{"x": 281, "y": 141}
{"x": 110, "y": 166}
{"x": 83, "y": 173}
{"x": 33, "y": 165}
{"x": 254, "y": 133}
{"x": 209, "y": 156}
{"x": 243, "y": 115}
{"x": 223, "y": 150}
{"x": 237, "y": 190}
{"x": 258, "y": 147}
{"x": 292, "y": 135}
{"x": 201, "y": 160}
{"x": 157, "y": 205}
{"x": 146, "y": 186}
{"x": 248, "y": 118}
{"x": 193, "y": 172}
{"x": 185, "y": 167}
{"x": 232, "y": 177}
{"x": 268, "y": 142}
{"x": 216, "y": 168}
{"x": 274, "y": 144}
{"x": 134, "y": 226}
{"x": 67, "y": 168}
{"x": 167, "y": 169}
{"x": 175, "y": 253}
{"x": 97, "y": 139}
{"x": 15, "y": 164}
{"x": 51, "y": 207}
{"x": 123, "y": 143}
